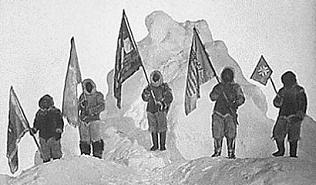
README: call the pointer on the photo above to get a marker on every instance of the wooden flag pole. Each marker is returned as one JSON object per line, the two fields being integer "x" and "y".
{"x": 273, "y": 85}
{"x": 217, "y": 78}
{"x": 29, "y": 129}
{"x": 134, "y": 43}
{"x": 36, "y": 142}
{"x": 27, "y": 124}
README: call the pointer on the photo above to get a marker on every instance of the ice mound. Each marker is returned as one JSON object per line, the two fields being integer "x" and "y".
{"x": 166, "y": 48}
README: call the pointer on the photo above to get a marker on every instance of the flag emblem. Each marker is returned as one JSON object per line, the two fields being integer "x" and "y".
{"x": 127, "y": 45}
{"x": 262, "y": 72}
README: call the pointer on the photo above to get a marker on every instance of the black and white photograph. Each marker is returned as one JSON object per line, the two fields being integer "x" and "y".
{"x": 158, "y": 92}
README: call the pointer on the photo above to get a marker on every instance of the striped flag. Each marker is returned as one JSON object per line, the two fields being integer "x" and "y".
{"x": 70, "y": 95}
{"x": 18, "y": 126}
{"x": 262, "y": 72}
{"x": 127, "y": 60}
{"x": 200, "y": 71}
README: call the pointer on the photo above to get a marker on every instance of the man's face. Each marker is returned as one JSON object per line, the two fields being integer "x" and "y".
{"x": 156, "y": 77}
{"x": 89, "y": 87}
{"x": 45, "y": 104}
{"x": 227, "y": 76}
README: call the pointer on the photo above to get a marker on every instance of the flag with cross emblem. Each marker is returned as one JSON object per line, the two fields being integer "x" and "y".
{"x": 262, "y": 72}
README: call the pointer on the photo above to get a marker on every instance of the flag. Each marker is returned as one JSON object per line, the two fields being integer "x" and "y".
{"x": 18, "y": 126}
{"x": 70, "y": 95}
{"x": 127, "y": 60}
{"x": 262, "y": 72}
{"x": 200, "y": 70}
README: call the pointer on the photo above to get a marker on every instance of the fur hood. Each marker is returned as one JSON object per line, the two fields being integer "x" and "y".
{"x": 159, "y": 82}
{"x": 228, "y": 70}
{"x": 84, "y": 83}
{"x": 289, "y": 79}
{"x": 46, "y": 101}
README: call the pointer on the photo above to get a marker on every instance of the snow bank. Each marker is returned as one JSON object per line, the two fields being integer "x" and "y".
{"x": 203, "y": 171}
{"x": 126, "y": 162}
{"x": 4, "y": 179}
{"x": 221, "y": 171}
{"x": 120, "y": 149}
{"x": 80, "y": 171}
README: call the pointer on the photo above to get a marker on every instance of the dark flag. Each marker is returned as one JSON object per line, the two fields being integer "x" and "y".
{"x": 70, "y": 95}
{"x": 127, "y": 60}
{"x": 199, "y": 72}
{"x": 262, "y": 72}
{"x": 18, "y": 126}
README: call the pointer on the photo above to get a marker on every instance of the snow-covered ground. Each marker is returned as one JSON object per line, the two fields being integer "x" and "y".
{"x": 203, "y": 171}
{"x": 126, "y": 162}
{"x": 126, "y": 159}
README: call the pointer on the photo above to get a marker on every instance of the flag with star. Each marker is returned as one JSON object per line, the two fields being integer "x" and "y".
{"x": 127, "y": 60}
{"x": 199, "y": 72}
{"x": 262, "y": 72}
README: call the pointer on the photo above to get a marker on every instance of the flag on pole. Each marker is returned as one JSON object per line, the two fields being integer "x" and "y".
{"x": 262, "y": 72}
{"x": 18, "y": 126}
{"x": 70, "y": 95}
{"x": 127, "y": 60}
{"x": 199, "y": 72}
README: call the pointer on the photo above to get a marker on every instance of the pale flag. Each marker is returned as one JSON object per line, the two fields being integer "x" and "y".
{"x": 70, "y": 95}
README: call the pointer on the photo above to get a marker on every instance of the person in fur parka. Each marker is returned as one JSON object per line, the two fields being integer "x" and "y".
{"x": 292, "y": 102}
{"x": 223, "y": 124}
{"x": 49, "y": 122}
{"x": 158, "y": 96}
{"x": 91, "y": 104}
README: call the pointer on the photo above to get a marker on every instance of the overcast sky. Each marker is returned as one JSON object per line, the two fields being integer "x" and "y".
{"x": 35, "y": 43}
